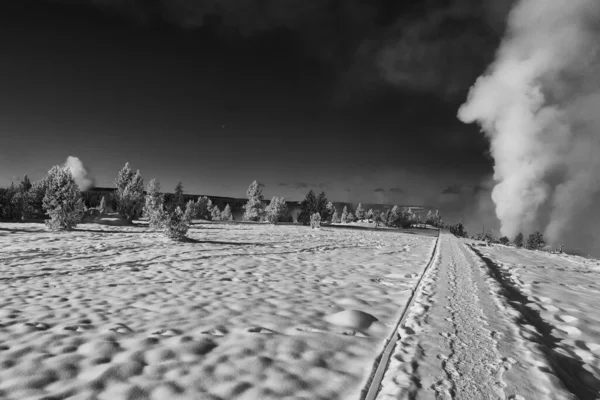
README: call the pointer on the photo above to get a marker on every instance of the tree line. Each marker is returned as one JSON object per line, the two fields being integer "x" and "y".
{"x": 57, "y": 198}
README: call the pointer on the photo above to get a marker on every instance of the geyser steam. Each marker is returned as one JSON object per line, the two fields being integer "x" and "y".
{"x": 539, "y": 105}
{"x": 79, "y": 173}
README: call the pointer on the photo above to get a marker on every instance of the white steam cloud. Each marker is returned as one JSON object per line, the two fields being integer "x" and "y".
{"x": 79, "y": 172}
{"x": 539, "y": 105}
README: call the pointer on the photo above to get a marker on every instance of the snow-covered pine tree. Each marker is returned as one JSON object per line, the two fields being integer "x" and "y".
{"x": 344, "y": 218}
{"x": 190, "y": 210}
{"x": 215, "y": 213}
{"x": 429, "y": 219}
{"x": 62, "y": 201}
{"x": 226, "y": 214}
{"x": 315, "y": 221}
{"x": 176, "y": 225}
{"x": 178, "y": 199}
{"x": 360, "y": 212}
{"x": 335, "y": 218}
{"x": 330, "y": 211}
{"x": 202, "y": 208}
{"x": 351, "y": 217}
{"x": 154, "y": 208}
{"x": 209, "y": 208}
{"x": 370, "y": 214}
{"x": 276, "y": 211}
{"x": 254, "y": 208}
{"x": 377, "y": 218}
{"x": 129, "y": 194}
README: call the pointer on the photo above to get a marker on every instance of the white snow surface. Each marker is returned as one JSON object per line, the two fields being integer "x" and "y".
{"x": 499, "y": 323}
{"x": 236, "y": 312}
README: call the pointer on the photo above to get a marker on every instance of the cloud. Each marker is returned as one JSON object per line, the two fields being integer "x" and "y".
{"x": 301, "y": 185}
{"x": 396, "y": 190}
{"x": 369, "y": 46}
{"x": 379, "y": 190}
{"x": 282, "y": 184}
{"x": 80, "y": 173}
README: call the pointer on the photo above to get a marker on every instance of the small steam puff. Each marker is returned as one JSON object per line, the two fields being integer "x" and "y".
{"x": 79, "y": 173}
{"x": 539, "y": 105}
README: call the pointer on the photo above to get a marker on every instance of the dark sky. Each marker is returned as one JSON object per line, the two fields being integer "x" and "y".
{"x": 356, "y": 98}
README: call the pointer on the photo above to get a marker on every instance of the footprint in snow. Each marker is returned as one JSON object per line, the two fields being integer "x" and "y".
{"x": 40, "y": 326}
{"x": 78, "y": 328}
{"x": 218, "y": 331}
{"x": 167, "y": 332}
{"x": 121, "y": 328}
{"x": 260, "y": 329}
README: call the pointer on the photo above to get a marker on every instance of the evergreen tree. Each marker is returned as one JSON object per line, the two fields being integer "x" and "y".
{"x": 129, "y": 194}
{"x": 13, "y": 207}
{"x": 254, "y": 208}
{"x": 535, "y": 241}
{"x": 344, "y": 218}
{"x": 315, "y": 221}
{"x": 360, "y": 212}
{"x": 25, "y": 184}
{"x": 386, "y": 217}
{"x": 154, "y": 208}
{"x": 429, "y": 219}
{"x": 330, "y": 211}
{"x": 308, "y": 207}
{"x": 215, "y": 213}
{"x": 351, "y": 217}
{"x": 377, "y": 218}
{"x": 190, "y": 210}
{"x": 459, "y": 230}
{"x": 335, "y": 218}
{"x": 209, "y": 209}
{"x": 226, "y": 214}
{"x": 276, "y": 211}
{"x": 519, "y": 240}
{"x": 393, "y": 218}
{"x": 202, "y": 211}
{"x": 176, "y": 224}
{"x": 35, "y": 198}
{"x": 322, "y": 207}
{"x": 370, "y": 214}
{"x": 178, "y": 199}
{"x": 62, "y": 201}
{"x": 504, "y": 240}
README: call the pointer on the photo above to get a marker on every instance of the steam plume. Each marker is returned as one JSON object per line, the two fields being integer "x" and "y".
{"x": 539, "y": 105}
{"x": 79, "y": 173}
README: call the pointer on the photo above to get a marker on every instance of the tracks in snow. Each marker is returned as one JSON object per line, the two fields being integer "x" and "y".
{"x": 461, "y": 339}
{"x": 374, "y": 382}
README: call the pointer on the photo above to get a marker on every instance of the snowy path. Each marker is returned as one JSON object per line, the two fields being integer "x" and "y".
{"x": 463, "y": 340}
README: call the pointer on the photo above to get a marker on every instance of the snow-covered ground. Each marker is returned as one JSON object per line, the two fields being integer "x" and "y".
{"x": 236, "y": 312}
{"x": 499, "y": 323}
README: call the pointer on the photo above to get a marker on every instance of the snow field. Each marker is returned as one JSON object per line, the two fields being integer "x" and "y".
{"x": 236, "y": 312}
{"x": 558, "y": 297}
